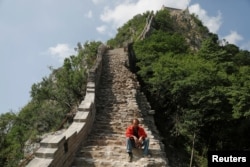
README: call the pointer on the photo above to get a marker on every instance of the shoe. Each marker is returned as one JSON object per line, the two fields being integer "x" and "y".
{"x": 130, "y": 157}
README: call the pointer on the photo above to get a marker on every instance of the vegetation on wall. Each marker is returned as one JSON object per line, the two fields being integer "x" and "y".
{"x": 51, "y": 100}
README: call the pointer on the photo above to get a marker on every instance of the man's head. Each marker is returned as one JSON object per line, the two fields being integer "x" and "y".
{"x": 135, "y": 122}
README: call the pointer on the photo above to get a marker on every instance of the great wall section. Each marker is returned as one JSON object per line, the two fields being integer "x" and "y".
{"x": 96, "y": 138}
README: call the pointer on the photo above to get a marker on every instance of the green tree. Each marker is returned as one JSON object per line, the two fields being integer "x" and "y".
{"x": 6, "y": 123}
{"x": 163, "y": 21}
{"x": 240, "y": 93}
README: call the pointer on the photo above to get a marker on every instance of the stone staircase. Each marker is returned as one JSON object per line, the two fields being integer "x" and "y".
{"x": 118, "y": 102}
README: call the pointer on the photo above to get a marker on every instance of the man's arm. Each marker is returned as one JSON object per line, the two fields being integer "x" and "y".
{"x": 142, "y": 133}
{"x": 129, "y": 132}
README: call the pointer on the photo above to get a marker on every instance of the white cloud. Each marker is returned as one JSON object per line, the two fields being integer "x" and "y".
{"x": 89, "y": 14}
{"x": 101, "y": 29}
{"x": 213, "y": 23}
{"x": 61, "y": 51}
{"x": 127, "y": 9}
{"x": 233, "y": 37}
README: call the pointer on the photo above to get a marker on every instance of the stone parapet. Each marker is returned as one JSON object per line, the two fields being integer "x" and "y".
{"x": 58, "y": 150}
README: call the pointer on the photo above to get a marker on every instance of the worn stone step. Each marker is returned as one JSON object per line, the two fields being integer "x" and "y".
{"x": 105, "y": 142}
{"x": 112, "y": 151}
{"x": 122, "y": 162}
{"x": 107, "y": 137}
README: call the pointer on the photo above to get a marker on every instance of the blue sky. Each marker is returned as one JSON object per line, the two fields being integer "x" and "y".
{"x": 37, "y": 34}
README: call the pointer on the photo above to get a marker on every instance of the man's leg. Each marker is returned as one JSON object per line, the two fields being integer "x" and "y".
{"x": 146, "y": 145}
{"x": 129, "y": 146}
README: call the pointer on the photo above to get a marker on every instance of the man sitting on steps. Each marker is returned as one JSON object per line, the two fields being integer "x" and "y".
{"x": 136, "y": 137}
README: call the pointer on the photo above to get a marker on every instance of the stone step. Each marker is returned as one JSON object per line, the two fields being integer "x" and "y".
{"x": 102, "y": 143}
{"x": 97, "y": 142}
{"x": 114, "y": 151}
{"x": 123, "y": 162}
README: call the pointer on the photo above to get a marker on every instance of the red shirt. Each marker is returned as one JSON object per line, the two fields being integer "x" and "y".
{"x": 141, "y": 132}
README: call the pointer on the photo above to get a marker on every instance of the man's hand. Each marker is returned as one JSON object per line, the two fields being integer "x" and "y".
{"x": 135, "y": 139}
{"x": 138, "y": 142}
